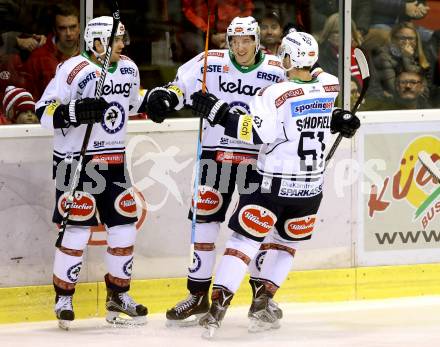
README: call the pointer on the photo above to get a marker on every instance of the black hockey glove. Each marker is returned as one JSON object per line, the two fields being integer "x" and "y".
{"x": 158, "y": 103}
{"x": 344, "y": 122}
{"x": 208, "y": 106}
{"x": 81, "y": 111}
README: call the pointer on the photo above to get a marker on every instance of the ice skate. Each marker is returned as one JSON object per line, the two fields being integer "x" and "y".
{"x": 64, "y": 311}
{"x": 263, "y": 314}
{"x": 188, "y": 312}
{"x": 122, "y": 303}
{"x": 258, "y": 288}
{"x": 221, "y": 298}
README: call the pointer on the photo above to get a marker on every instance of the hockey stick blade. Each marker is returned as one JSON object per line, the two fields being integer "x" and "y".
{"x": 427, "y": 162}
{"x": 365, "y": 74}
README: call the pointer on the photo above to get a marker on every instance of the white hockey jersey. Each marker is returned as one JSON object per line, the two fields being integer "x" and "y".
{"x": 77, "y": 78}
{"x": 293, "y": 121}
{"x": 232, "y": 83}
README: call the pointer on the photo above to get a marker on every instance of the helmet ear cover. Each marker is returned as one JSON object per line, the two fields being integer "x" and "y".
{"x": 243, "y": 26}
{"x": 100, "y": 28}
{"x": 301, "y": 48}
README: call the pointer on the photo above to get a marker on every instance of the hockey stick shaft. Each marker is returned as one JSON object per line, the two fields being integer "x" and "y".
{"x": 199, "y": 149}
{"x": 429, "y": 164}
{"x": 365, "y": 73}
{"x": 98, "y": 92}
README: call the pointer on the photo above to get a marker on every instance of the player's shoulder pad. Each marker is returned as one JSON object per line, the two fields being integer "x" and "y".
{"x": 329, "y": 82}
{"x": 72, "y": 67}
{"x": 124, "y": 57}
{"x": 273, "y": 61}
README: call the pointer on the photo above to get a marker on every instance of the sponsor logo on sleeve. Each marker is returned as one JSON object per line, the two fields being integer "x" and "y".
{"x": 274, "y": 63}
{"x": 331, "y": 88}
{"x": 75, "y": 71}
{"x": 245, "y": 128}
{"x": 50, "y": 109}
{"x": 293, "y": 93}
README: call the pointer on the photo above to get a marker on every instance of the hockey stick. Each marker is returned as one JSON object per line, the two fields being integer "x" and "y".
{"x": 199, "y": 149}
{"x": 427, "y": 162}
{"x": 365, "y": 74}
{"x": 98, "y": 92}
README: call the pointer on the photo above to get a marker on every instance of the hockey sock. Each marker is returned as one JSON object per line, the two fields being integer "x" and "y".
{"x": 200, "y": 273}
{"x": 277, "y": 264}
{"x": 119, "y": 263}
{"x": 66, "y": 269}
{"x": 233, "y": 265}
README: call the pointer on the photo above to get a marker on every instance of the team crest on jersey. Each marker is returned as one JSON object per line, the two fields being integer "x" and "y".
{"x": 196, "y": 264}
{"x": 256, "y": 220}
{"x": 73, "y": 272}
{"x": 114, "y": 118}
{"x": 125, "y": 204}
{"x": 240, "y": 107}
{"x": 127, "y": 268}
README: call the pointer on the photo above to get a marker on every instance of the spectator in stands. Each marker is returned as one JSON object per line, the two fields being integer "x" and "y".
{"x": 386, "y": 13}
{"x": 410, "y": 90}
{"x": 329, "y": 46}
{"x": 404, "y": 52}
{"x": 62, "y": 44}
{"x": 322, "y": 9}
{"x": 222, "y": 12}
{"x": 271, "y": 32}
{"x": 19, "y": 106}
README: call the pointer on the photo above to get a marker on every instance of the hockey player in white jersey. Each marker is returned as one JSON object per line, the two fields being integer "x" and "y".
{"x": 104, "y": 190}
{"x": 292, "y": 120}
{"x": 235, "y": 75}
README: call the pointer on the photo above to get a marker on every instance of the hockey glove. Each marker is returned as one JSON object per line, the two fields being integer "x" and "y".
{"x": 208, "y": 106}
{"x": 344, "y": 122}
{"x": 159, "y": 102}
{"x": 82, "y": 111}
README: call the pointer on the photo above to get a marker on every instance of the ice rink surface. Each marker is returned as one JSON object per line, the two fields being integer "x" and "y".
{"x": 406, "y": 322}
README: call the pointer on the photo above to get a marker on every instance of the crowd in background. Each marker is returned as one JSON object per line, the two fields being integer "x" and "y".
{"x": 400, "y": 38}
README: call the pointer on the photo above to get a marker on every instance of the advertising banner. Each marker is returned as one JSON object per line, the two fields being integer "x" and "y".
{"x": 399, "y": 200}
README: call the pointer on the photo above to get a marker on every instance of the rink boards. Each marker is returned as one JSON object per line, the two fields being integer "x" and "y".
{"x": 377, "y": 236}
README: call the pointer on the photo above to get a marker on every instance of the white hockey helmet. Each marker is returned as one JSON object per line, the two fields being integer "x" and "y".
{"x": 244, "y": 26}
{"x": 302, "y": 49}
{"x": 101, "y": 28}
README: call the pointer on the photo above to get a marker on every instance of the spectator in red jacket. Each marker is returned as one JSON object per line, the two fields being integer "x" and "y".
{"x": 62, "y": 44}
{"x": 222, "y": 12}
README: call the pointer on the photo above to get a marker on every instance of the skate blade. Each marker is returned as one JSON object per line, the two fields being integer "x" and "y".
{"x": 64, "y": 324}
{"x": 257, "y": 326}
{"x": 182, "y": 323}
{"x": 115, "y": 319}
{"x": 209, "y": 332}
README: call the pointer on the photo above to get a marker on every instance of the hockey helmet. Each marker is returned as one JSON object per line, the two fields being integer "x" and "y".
{"x": 244, "y": 26}
{"x": 101, "y": 28}
{"x": 302, "y": 49}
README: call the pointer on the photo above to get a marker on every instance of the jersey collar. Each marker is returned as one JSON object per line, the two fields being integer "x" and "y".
{"x": 297, "y": 80}
{"x": 260, "y": 58}
{"x": 112, "y": 68}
